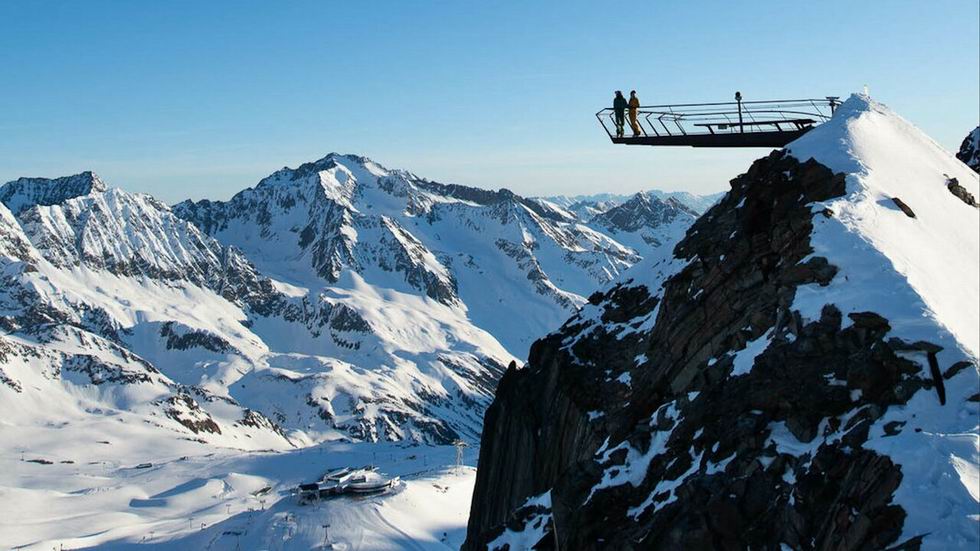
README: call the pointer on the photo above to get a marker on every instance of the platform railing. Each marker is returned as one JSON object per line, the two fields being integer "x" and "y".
{"x": 695, "y": 119}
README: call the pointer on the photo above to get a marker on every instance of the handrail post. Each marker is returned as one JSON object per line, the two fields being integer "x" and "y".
{"x": 738, "y": 98}
{"x": 833, "y": 104}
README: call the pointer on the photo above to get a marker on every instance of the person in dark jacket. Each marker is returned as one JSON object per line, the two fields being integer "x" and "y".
{"x": 619, "y": 108}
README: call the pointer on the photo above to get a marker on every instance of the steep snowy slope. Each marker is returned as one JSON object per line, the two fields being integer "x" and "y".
{"x": 339, "y": 302}
{"x": 113, "y": 271}
{"x": 64, "y": 359}
{"x": 803, "y": 374}
{"x": 934, "y": 245}
{"x": 513, "y": 267}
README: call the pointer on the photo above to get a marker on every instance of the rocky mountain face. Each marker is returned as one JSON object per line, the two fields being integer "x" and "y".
{"x": 62, "y": 348}
{"x": 789, "y": 378}
{"x": 586, "y": 207}
{"x": 110, "y": 290}
{"x": 493, "y": 252}
{"x": 337, "y": 300}
{"x": 969, "y": 151}
{"x": 23, "y": 193}
{"x": 642, "y": 211}
{"x": 646, "y": 221}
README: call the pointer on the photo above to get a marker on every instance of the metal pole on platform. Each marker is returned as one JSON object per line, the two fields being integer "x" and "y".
{"x": 738, "y": 98}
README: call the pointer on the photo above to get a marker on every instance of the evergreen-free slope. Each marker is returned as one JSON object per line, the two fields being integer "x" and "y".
{"x": 786, "y": 379}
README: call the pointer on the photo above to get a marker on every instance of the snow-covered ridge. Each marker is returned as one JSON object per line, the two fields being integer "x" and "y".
{"x": 337, "y": 300}
{"x": 24, "y": 193}
{"x": 586, "y": 207}
{"x": 643, "y": 211}
{"x": 817, "y": 334}
{"x": 938, "y": 250}
{"x": 493, "y": 254}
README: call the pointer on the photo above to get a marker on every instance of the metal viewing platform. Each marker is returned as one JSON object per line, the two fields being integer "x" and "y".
{"x": 773, "y": 123}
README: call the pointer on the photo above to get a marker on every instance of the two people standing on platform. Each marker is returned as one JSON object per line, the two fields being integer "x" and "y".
{"x": 620, "y": 105}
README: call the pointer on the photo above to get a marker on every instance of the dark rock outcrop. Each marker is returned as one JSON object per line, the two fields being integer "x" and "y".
{"x": 904, "y": 207}
{"x": 185, "y": 410}
{"x": 185, "y": 338}
{"x": 699, "y": 411}
{"x": 24, "y": 193}
{"x": 969, "y": 151}
{"x": 642, "y": 210}
{"x": 961, "y": 193}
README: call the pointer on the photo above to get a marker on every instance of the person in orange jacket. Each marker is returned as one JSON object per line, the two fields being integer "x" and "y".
{"x": 634, "y": 106}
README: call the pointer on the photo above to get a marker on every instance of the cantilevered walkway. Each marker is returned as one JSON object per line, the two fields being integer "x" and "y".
{"x": 733, "y": 124}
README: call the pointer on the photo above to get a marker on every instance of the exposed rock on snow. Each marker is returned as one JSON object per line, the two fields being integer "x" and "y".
{"x": 24, "y": 193}
{"x": 643, "y": 211}
{"x": 954, "y": 187}
{"x": 903, "y": 207}
{"x": 969, "y": 151}
{"x": 821, "y": 383}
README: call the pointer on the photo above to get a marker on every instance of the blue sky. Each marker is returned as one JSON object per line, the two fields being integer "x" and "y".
{"x": 202, "y": 99}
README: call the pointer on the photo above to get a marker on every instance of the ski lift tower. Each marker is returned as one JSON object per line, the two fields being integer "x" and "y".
{"x": 460, "y": 446}
{"x": 770, "y": 123}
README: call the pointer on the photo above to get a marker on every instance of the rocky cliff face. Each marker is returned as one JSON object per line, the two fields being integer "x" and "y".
{"x": 24, "y": 193}
{"x": 770, "y": 385}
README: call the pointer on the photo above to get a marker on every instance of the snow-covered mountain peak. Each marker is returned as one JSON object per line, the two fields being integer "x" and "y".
{"x": 24, "y": 193}
{"x": 805, "y": 362}
{"x": 352, "y": 164}
{"x": 587, "y": 207}
{"x": 902, "y": 199}
{"x": 644, "y": 210}
{"x": 345, "y": 214}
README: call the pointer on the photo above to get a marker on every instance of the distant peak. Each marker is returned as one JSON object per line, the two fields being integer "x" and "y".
{"x": 334, "y": 156}
{"x": 24, "y": 193}
{"x": 356, "y": 165}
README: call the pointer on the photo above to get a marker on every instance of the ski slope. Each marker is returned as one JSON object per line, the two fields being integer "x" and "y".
{"x": 198, "y": 496}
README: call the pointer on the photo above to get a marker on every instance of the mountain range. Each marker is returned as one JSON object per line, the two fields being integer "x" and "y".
{"x": 338, "y": 300}
{"x": 792, "y": 363}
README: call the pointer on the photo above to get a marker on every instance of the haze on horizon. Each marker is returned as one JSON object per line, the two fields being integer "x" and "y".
{"x": 188, "y": 100}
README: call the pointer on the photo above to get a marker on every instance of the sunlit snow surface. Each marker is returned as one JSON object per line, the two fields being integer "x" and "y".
{"x": 196, "y": 496}
{"x": 923, "y": 275}
{"x": 440, "y": 294}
